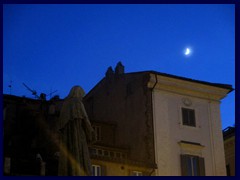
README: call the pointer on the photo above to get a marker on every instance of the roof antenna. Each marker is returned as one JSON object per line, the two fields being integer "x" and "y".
{"x": 51, "y": 93}
{"x": 34, "y": 92}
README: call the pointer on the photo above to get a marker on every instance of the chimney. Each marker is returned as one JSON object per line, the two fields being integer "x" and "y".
{"x": 119, "y": 69}
{"x": 109, "y": 73}
{"x": 43, "y": 96}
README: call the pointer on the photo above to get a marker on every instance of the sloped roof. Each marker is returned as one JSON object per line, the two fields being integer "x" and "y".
{"x": 228, "y": 132}
{"x": 224, "y": 86}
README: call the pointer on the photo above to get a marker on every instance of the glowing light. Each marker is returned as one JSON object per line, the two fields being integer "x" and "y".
{"x": 187, "y": 51}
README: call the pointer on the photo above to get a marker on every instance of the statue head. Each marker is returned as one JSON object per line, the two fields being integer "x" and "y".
{"x": 76, "y": 92}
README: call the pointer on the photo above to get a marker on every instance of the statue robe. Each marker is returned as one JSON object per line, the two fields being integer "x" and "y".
{"x": 75, "y": 131}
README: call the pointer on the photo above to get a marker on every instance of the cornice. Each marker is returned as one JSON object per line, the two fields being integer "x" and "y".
{"x": 184, "y": 87}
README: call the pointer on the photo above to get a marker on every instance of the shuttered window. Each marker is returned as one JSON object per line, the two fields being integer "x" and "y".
{"x": 137, "y": 173}
{"x": 98, "y": 170}
{"x": 192, "y": 165}
{"x": 188, "y": 117}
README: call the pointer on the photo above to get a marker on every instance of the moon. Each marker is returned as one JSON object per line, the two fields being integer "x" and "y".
{"x": 187, "y": 51}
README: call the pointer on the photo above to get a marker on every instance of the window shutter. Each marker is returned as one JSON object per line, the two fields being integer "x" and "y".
{"x": 192, "y": 118}
{"x": 184, "y": 116}
{"x": 184, "y": 165}
{"x": 103, "y": 170}
{"x": 201, "y": 166}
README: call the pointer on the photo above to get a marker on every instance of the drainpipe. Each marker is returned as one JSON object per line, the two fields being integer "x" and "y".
{"x": 156, "y": 81}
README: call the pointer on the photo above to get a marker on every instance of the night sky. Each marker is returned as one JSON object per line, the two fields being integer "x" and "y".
{"x": 54, "y": 47}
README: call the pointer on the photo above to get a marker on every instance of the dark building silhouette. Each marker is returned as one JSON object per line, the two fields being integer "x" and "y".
{"x": 30, "y": 135}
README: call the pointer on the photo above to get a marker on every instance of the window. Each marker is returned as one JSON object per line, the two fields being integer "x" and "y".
{"x": 118, "y": 155}
{"x": 137, "y": 173}
{"x": 192, "y": 165}
{"x": 97, "y": 130}
{"x": 106, "y": 153}
{"x": 188, "y": 117}
{"x": 112, "y": 154}
{"x": 98, "y": 170}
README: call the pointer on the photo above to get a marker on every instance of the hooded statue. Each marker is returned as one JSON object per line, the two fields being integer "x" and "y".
{"x": 76, "y": 131}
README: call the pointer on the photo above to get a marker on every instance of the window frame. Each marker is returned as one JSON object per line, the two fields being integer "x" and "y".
{"x": 137, "y": 173}
{"x": 189, "y": 124}
{"x": 96, "y": 170}
{"x": 195, "y": 169}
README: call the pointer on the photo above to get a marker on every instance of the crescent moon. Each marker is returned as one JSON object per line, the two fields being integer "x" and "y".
{"x": 187, "y": 52}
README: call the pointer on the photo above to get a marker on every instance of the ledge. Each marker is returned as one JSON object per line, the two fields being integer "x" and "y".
{"x": 188, "y": 144}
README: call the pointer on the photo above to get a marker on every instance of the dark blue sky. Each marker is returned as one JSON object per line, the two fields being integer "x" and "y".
{"x": 53, "y": 47}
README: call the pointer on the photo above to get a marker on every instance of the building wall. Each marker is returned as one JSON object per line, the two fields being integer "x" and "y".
{"x": 218, "y": 146}
{"x": 30, "y": 129}
{"x": 169, "y": 131}
{"x": 125, "y": 101}
{"x": 121, "y": 169}
{"x": 140, "y": 122}
{"x": 229, "y": 147}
